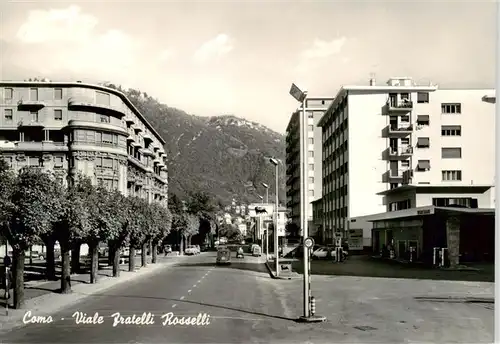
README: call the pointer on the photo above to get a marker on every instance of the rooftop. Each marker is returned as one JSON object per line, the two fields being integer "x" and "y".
{"x": 451, "y": 189}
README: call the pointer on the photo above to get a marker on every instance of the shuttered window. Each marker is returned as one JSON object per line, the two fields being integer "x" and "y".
{"x": 451, "y": 153}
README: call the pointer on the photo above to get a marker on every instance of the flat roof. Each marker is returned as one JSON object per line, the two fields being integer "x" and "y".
{"x": 86, "y": 85}
{"x": 425, "y": 188}
{"x": 427, "y": 210}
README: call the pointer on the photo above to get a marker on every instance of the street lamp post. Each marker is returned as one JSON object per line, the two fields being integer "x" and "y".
{"x": 301, "y": 97}
{"x": 276, "y": 213}
{"x": 267, "y": 191}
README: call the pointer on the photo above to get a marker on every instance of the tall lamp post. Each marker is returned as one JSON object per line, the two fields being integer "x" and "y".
{"x": 267, "y": 191}
{"x": 275, "y": 162}
{"x": 301, "y": 97}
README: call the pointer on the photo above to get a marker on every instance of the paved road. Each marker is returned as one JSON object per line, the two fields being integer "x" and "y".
{"x": 246, "y": 306}
{"x": 243, "y": 307}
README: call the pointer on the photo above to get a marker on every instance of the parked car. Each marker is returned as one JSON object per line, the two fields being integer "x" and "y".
{"x": 57, "y": 255}
{"x": 198, "y": 249}
{"x": 321, "y": 253}
{"x": 190, "y": 250}
{"x": 168, "y": 249}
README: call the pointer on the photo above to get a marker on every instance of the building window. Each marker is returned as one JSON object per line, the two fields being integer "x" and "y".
{"x": 422, "y": 97}
{"x": 311, "y": 180}
{"x": 311, "y": 127}
{"x": 311, "y": 154}
{"x": 451, "y": 130}
{"x": 107, "y": 163}
{"x": 107, "y": 138}
{"x": 401, "y": 205}
{"x": 405, "y": 163}
{"x": 451, "y": 175}
{"x": 34, "y": 94}
{"x": 102, "y": 98}
{"x": 311, "y": 193}
{"x": 8, "y": 93}
{"x": 58, "y": 115}
{"x": 34, "y": 161}
{"x": 104, "y": 118}
{"x": 463, "y": 202}
{"x": 451, "y": 108}
{"x": 451, "y": 153}
{"x": 58, "y": 162}
{"x": 34, "y": 116}
{"x": 8, "y": 115}
{"x": 310, "y": 140}
{"x": 57, "y": 93}
{"x": 311, "y": 167}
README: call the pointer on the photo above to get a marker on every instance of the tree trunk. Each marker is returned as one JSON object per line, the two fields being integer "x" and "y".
{"x": 150, "y": 248}
{"x": 154, "y": 252}
{"x": 116, "y": 261}
{"x": 75, "y": 258}
{"x": 111, "y": 253}
{"x": 50, "y": 264}
{"x": 94, "y": 261}
{"x": 131, "y": 259}
{"x": 31, "y": 254}
{"x": 181, "y": 245}
{"x": 65, "y": 268}
{"x": 144, "y": 257}
{"x": 18, "y": 265}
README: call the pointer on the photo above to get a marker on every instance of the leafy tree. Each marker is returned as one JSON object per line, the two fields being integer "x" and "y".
{"x": 122, "y": 213}
{"x": 30, "y": 214}
{"x": 104, "y": 224}
{"x": 202, "y": 205}
{"x": 230, "y": 231}
{"x": 164, "y": 227}
{"x": 137, "y": 225}
{"x": 179, "y": 221}
{"x": 193, "y": 225}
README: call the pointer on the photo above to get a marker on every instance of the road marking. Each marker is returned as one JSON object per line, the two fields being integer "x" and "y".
{"x": 189, "y": 290}
{"x": 199, "y": 281}
{"x": 174, "y": 305}
{"x": 182, "y": 297}
{"x": 194, "y": 286}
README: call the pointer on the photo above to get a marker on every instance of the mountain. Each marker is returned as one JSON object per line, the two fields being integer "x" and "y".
{"x": 225, "y": 156}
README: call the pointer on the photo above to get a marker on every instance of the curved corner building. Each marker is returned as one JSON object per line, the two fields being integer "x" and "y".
{"x": 72, "y": 126}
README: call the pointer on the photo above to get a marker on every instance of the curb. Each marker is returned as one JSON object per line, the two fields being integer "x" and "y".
{"x": 456, "y": 299}
{"x": 50, "y": 303}
{"x": 273, "y": 274}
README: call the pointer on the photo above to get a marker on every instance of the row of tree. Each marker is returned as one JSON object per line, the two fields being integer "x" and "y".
{"x": 35, "y": 207}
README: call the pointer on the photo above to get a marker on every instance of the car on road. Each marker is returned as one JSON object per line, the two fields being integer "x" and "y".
{"x": 191, "y": 250}
{"x": 223, "y": 256}
{"x": 256, "y": 251}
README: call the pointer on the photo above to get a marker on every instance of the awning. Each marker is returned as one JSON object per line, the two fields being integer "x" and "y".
{"x": 451, "y": 127}
{"x": 423, "y": 142}
{"x": 424, "y": 164}
{"x": 423, "y": 118}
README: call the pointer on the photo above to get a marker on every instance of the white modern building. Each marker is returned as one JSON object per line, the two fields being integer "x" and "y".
{"x": 315, "y": 108}
{"x": 401, "y": 145}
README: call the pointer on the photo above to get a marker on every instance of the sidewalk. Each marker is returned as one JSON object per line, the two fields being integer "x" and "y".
{"x": 43, "y": 298}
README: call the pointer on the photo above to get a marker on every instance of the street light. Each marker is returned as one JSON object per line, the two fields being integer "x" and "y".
{"x": 267, "y": 191}
{"x": 301, "y": 97}
{"x": 275, "y": 162}
{"x": 261, "y": 198}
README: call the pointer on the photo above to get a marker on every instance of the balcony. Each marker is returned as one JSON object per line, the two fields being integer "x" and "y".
{"x": 137, "y": 129}
{"x": 33, "y": 105}
{"x": 397, "y": 131}
{"x": 146, "y": 152}
{"x": 147, "y": 138}
{"x": 400, "y": 153}
{"x": 81, "y": 104}
{"x": 394, "y": 176}
{"x": 395, "y": 107}
{"x": 129, "y": 120}
{"x": 34, "y": 146}
{"x": 33, "y": 123}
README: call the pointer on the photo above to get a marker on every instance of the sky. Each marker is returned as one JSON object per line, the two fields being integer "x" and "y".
{"x": 239, "y": 58}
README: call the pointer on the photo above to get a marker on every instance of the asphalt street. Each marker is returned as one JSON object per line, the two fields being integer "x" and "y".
{"x": 240, "y": 306}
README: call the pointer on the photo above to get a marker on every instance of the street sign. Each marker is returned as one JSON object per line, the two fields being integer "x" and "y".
{"x": 260, "y": 209}
{"x": 297, "y": 93}
{"x": 309, "y": 242}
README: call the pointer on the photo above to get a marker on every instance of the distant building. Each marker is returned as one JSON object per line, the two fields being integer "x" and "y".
{"x": 315, "y": 108}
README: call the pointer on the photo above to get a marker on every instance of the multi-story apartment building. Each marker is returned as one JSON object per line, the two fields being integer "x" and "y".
{"x": 402, "y": 145}
{"x": 72, "y": 126}
{"x": 315, "y": 108}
